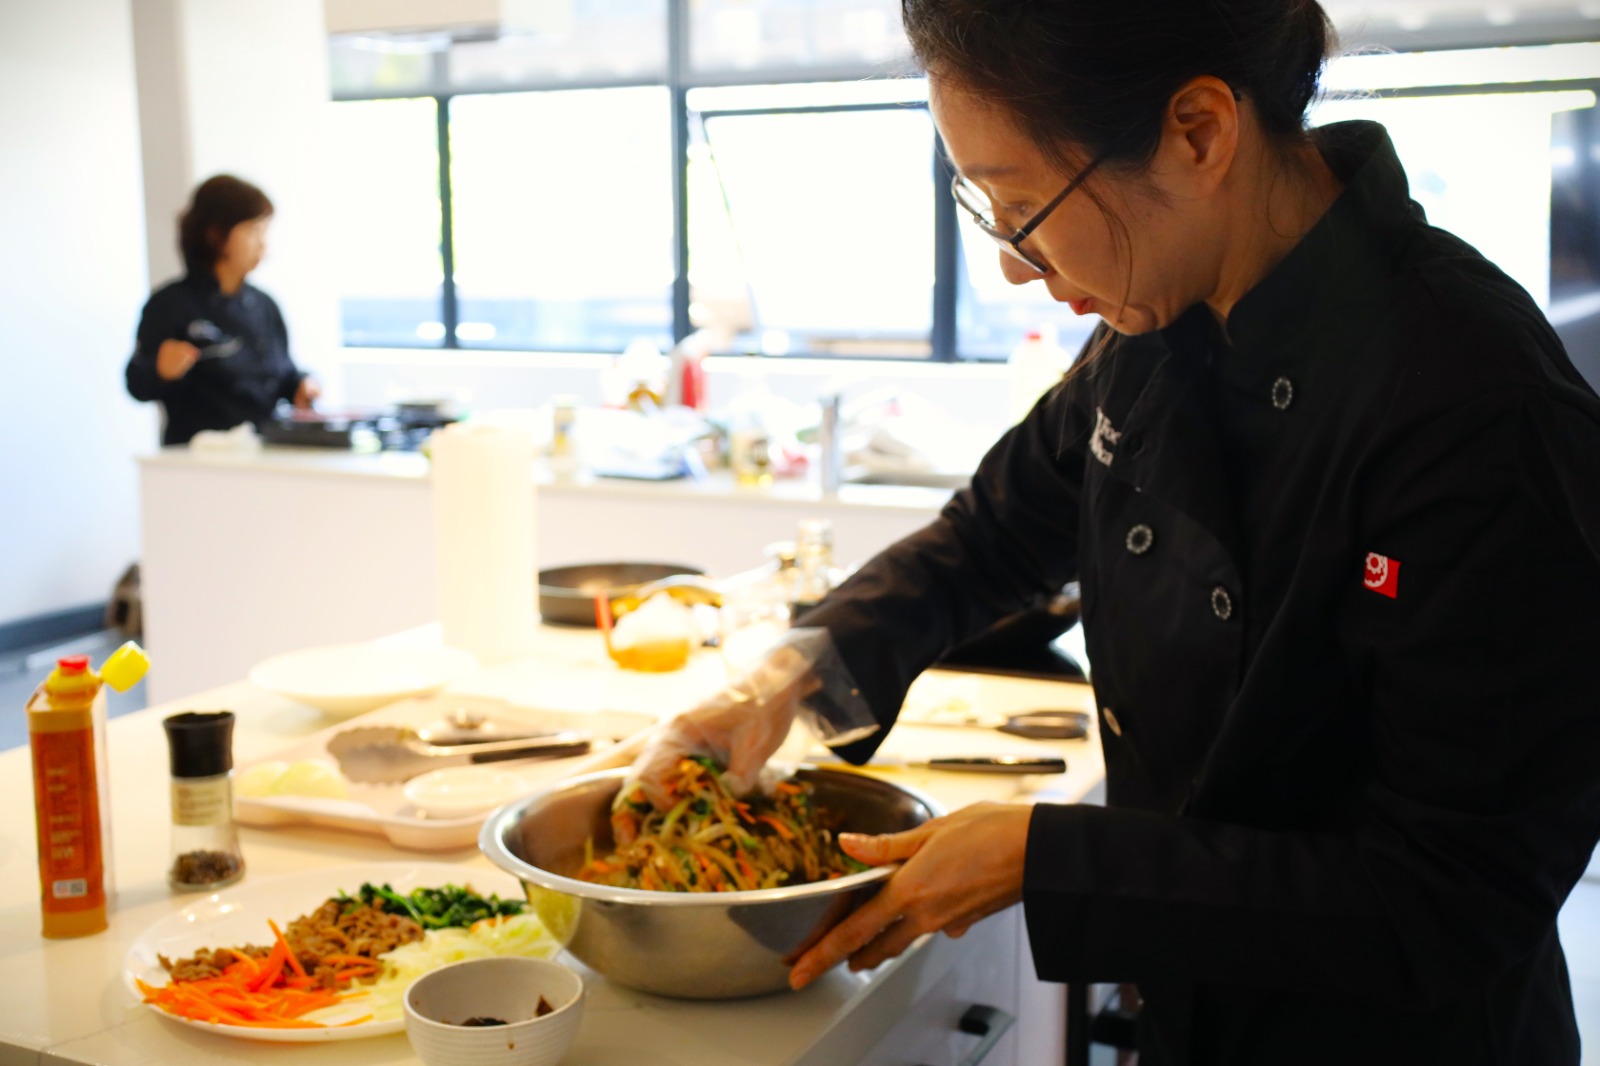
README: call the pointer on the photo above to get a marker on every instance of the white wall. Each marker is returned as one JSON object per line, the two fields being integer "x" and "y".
{"x": 162, "y": 80}
{"x": 241, "y": 87}
{"x": 72, "y": 279}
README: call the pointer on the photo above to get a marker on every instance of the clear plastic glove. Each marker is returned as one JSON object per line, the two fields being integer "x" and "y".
{"x": 746, "y": 722}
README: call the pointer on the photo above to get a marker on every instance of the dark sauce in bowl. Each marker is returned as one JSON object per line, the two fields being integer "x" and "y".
{"x": 483, "y": 1022}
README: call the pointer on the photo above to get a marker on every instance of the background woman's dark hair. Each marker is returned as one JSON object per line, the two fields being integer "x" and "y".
{"x": 218, "y": 205}
{"x": 1098, "y": 74}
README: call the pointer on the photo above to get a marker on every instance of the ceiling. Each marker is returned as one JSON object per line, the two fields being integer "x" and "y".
{"x": 1413, "y": 24}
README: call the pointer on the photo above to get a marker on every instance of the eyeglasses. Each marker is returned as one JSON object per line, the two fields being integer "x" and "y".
{"x": 976, "y": 204}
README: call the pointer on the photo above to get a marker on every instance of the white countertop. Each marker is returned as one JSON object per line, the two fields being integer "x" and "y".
{"x": 64, "y": 1001}
{"x": 801, "y": 493}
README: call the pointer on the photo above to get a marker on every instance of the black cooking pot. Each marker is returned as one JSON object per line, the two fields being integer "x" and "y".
{"x": 567, "y": 593}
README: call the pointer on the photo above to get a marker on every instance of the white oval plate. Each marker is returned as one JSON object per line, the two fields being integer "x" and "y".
{"x": 237, "y": 916}
{"x": 348, "y": 679}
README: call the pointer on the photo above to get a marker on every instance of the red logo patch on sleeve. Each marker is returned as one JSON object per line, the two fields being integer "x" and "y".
{"x": 1382, "y": 575}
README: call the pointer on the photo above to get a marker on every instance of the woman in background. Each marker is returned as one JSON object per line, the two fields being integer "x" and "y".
{"x": 212, "y": 349}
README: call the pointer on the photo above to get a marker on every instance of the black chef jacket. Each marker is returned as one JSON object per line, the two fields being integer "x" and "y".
{"x": 244, "y": 367}
{"x": 1341, "y": 587}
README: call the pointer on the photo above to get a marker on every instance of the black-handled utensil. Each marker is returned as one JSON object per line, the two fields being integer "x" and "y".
{"x": 377, "y": 755}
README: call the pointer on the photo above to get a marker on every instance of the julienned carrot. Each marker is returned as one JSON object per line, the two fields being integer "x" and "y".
{"x": 783, "y": 830}
{"x": 359, "y": 960}
{"x": 224, "y": 1000}
{"x": 260, "y": 994}
{"x": 294, "y": 963}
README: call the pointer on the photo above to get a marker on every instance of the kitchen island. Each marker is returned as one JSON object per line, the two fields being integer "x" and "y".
{"x": 292, "y": 547}
{"x": 65, "y": 1001}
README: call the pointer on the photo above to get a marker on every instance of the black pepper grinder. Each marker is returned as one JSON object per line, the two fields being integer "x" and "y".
{"x": 205, "y": 844}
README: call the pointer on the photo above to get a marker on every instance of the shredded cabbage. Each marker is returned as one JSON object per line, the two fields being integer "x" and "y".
{"x": 519, "y": 934}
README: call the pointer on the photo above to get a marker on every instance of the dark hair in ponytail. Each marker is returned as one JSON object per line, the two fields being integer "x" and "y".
{"x": 218, "y": 204}
{"x": 1097, "y": 75}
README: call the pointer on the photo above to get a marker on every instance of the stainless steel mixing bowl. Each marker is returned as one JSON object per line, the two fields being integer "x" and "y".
{"x": 693, "y": 945}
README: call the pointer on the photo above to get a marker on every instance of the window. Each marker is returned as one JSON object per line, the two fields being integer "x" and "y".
{"x": 1575, "y": 210}
{"x": 992, "y": 315}
{"x": 384, "y": 230}
{"x": 830, "y": 252}
{"x": 600, "y": 41}
{"x": 739, "y": 37}
{"x": 562, "y": 218}
{"x": 766, "y": 171}
{"x": 1502, "y": 209}
{"x": 1501, "y": 205}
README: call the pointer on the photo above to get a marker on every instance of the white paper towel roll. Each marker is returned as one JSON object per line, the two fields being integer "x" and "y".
{"x": 483, "y": 506}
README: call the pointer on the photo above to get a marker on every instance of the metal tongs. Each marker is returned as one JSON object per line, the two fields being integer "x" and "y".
{"x": 378, "y": 755}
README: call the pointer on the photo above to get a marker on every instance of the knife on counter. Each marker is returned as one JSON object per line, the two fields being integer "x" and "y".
{"x": 964, "y": 764}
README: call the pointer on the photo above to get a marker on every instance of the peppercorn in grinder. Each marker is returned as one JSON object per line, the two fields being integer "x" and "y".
{"x": 205, "y": 842}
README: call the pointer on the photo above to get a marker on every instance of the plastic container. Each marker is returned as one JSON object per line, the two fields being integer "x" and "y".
{"x": 71, "y": 789}
{"x": 749, "y": 436}
{"x": 563, "y": 459}
{"x": 1035, "y": 366}
{"x": 816, "y": 575}
{"x": 205, "y": 844}
{"x": 750, "y": 450}
{"x": 644, "y": 370}
{"x": 686, "y": 379}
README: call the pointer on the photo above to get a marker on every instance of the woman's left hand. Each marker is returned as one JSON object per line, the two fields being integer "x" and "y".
{"x": 307, "y": 393}
{"x": 958, "y": 870}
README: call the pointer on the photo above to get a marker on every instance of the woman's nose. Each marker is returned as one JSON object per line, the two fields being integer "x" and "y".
{"x": 1016, "y": 271}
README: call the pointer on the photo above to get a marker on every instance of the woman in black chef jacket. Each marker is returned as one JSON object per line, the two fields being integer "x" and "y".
{"x": 211, "y": 348}
{"x": 1332, "y": 489}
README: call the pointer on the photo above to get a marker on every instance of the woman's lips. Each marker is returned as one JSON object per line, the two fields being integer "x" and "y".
{"x": 1081, "y": 307}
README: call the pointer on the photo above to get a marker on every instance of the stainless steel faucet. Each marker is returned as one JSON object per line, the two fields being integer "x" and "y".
{"x": 829, "y": 433}
{"x": 836, "y": 419}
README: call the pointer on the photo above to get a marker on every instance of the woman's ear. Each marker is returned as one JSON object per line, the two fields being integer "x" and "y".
{"x": 1200, "y": 135}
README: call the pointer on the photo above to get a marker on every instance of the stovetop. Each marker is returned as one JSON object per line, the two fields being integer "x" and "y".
{"x": 399, "y": 429}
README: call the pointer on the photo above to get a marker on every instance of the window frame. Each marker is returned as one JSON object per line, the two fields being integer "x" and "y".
{"x": 680, "y": 79}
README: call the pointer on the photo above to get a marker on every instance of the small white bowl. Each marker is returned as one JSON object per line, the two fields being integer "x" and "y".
{"x": 506, "y": 988}
{"x": 462, "y": 791}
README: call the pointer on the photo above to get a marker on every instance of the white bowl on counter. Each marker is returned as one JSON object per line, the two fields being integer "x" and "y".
{"x": 342, "y": 680}
{"x": 462, "y": 791}
{"x": 504, "y": 989}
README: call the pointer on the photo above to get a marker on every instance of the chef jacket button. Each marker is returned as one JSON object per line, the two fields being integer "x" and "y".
{"x": 1221, "y": 603}
{"x": 1110, "y": 718}
{"x": 1282, "y": 394}
{"x": 1139, "y": 539}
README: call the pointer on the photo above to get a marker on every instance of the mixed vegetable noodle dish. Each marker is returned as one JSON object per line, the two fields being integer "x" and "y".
{"x": 360, "y": 952}
{"x": 708, "y": 840}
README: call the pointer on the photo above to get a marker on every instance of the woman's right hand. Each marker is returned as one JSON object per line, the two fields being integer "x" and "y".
{"x": 175, "y": 358}
{"x": 740, "y": 727}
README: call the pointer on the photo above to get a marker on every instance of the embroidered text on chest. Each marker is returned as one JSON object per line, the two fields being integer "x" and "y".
{"x": 1104, "y": 438}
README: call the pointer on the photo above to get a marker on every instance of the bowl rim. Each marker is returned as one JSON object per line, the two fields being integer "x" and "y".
{"x": 491, "y": 843}
{"x": 412, "y": 1014}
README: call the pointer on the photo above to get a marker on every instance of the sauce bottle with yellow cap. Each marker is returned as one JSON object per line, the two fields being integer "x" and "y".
{"x": 71, "y": 797}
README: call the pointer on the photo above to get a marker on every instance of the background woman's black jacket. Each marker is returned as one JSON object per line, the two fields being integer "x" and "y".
{"x": 1340, "y": 823}
{"x": 244, "y": 369}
